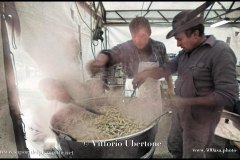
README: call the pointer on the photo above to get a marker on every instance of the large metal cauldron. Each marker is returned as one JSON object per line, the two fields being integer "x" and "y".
{"x": 137, "y": 145}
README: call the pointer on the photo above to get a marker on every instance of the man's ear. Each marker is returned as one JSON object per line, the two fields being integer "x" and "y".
{"x": 196, "y": 33}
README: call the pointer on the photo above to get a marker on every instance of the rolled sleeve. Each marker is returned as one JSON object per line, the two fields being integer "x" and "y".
{"x": 117, "y": 54}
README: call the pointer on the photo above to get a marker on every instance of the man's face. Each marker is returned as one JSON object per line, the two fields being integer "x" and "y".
{"x": 141, "y": 37}
{"x": 186, "y": 43}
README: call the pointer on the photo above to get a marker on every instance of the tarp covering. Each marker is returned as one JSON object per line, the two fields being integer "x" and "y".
{"x": 121, "y": 34}
{"x": 48, "y": 46}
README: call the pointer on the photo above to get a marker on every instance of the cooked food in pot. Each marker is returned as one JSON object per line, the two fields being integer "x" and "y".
{"x": 112, "y": 124}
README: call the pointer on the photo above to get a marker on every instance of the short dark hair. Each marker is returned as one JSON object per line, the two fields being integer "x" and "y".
{"x": 199, "y": 27}
{"x": 139, "y": 22}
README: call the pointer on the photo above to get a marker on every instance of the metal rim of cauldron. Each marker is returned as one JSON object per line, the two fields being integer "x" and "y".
{"x": 58, "y": 132}
{"x": 226, "y": 115}
{"x": 129, "y": 99}
{"x": 148, "y": 127}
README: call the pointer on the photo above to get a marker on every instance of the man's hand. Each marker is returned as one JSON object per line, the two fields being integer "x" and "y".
{"x": 156, "y": 73}
{"x": 139, "y": 79}
{"x": 97, "y": 65}
{"x": 178, "y": 102}
{"x": 94, "y": 67}
{"x": 170, "y": 84}
{"x": 170, "y": 92}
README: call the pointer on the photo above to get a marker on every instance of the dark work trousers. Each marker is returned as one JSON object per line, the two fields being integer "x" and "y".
{"x": 192, "y": 131}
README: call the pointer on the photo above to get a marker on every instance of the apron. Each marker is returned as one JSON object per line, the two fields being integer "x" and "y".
{"x": 151, "y": 87}
{"x": 150, "y": 91}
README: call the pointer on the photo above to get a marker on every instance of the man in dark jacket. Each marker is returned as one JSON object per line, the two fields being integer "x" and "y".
{"x": 206, "y": 84}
